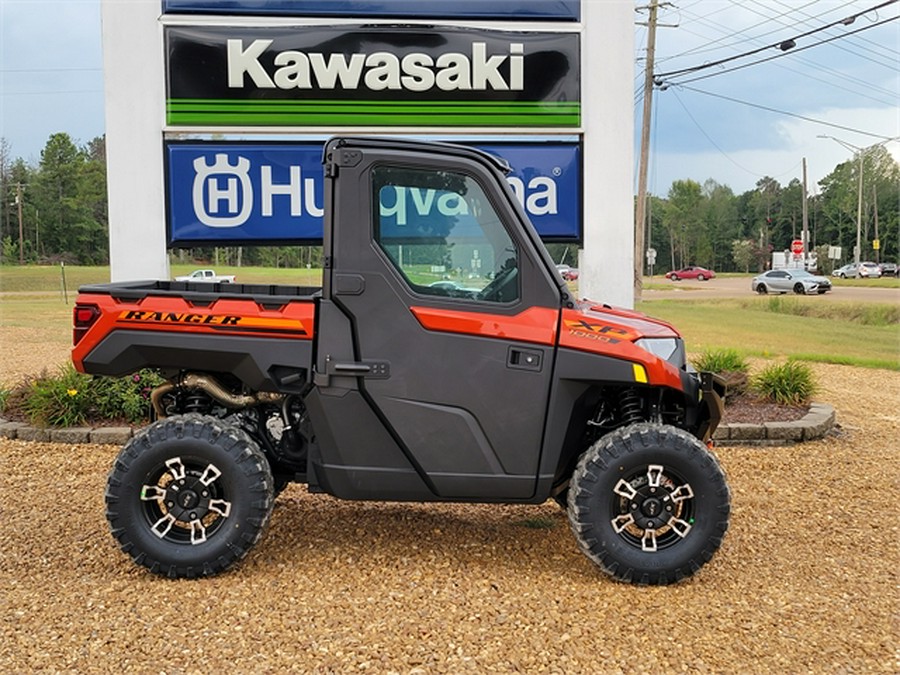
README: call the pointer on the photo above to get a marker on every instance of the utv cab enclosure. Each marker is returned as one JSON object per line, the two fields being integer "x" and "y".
{"x": 443, "y": 359}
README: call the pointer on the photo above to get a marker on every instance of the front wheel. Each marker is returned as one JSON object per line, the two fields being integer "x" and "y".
{"x": 761, "y": 289}
{"x": 648, "y": 504}
{"x": 799, "y": 289}
{"x": 700, "y": 277}
{"x": 189, "y": 496}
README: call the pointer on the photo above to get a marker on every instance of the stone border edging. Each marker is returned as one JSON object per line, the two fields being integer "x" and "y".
{"x": 101, "y": 435}
{"x": 814, "y": 425}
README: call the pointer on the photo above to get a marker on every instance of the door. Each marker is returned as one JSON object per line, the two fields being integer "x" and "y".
{"x": 454, "y": 315}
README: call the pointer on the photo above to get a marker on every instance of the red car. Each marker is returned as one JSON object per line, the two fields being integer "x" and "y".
{"x": 691, "y": 272}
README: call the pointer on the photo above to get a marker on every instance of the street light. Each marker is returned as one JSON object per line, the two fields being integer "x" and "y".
{"x": 862, "y": 151}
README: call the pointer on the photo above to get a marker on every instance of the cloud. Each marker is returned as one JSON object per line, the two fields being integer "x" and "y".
{"x": 740, "y": 169}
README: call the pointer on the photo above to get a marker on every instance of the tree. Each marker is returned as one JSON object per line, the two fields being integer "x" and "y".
{"x": 70, "y": 192}
{"x": 743, "y": 251}
{"x": 881, "y": 194}
{"x": 721, "y": 223}
{"x": 683, "y": 220}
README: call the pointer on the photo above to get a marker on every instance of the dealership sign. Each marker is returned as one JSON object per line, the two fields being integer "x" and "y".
{"x": 266, "y": 193}
{"x": 397, "y": 76}
{"x": 559, "y": 10}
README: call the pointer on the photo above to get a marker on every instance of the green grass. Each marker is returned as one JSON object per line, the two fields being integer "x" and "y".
{"x": 859, "y": 334}
{"x": 881, "y": 282}
{"x": 258, "y": 275}
{"x": 754, "y": 331}
{"x": 48, "y": 278}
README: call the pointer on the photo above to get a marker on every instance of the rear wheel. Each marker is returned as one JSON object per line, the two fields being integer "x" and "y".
{"x": 189, "y": 496}
{"x": 649, "y": 504}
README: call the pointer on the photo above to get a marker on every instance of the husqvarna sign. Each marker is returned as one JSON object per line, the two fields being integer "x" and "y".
{"x": 272, "y": 192}
{"x": 396, "y": 76}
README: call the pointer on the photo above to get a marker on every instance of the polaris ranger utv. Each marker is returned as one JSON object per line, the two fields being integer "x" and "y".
{"x": 443, "y": 359}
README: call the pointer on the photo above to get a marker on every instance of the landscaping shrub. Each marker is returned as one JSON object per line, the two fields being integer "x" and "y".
{"x": 729, "y": 364}
{"x": 69, "y": 398}
{"x": 790, "y": 383}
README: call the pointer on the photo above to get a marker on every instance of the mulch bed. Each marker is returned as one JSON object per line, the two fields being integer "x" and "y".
{"x": 748, "y": 409}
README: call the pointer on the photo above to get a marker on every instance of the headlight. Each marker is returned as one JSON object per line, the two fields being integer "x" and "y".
{"x": 668, "y": 349}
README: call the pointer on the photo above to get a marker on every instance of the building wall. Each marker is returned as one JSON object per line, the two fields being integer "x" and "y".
{"x": 135, "y": 124}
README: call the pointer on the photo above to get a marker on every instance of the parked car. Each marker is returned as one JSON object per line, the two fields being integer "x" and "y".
{"x": 863, "y": 270}
{"x": 208, "y": 276}
{"x": 567, "y": 273}
{"x": 888, "y": 269}
{"x": 691, "y": 272}
{"x": 800, "y": 282}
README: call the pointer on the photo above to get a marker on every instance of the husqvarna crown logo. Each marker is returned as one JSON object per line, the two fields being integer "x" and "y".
{"x": 223, "y": 194}
{"x": 211, "y": 199}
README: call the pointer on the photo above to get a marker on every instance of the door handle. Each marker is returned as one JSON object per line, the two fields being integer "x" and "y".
{"x": 525, "y": 359}
{"x": 371, "y": 369}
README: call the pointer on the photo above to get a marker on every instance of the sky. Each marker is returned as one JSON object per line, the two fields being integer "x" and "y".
{"x": 51, "y": 80}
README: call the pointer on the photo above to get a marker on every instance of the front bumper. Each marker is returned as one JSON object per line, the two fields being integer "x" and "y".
{"x": 712, "y": 398}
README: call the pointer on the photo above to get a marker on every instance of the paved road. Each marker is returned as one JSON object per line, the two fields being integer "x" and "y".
{"x": 739, "y": 287}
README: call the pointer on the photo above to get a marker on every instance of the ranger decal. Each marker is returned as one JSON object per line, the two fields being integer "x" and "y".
{"x": 219, "y": 321}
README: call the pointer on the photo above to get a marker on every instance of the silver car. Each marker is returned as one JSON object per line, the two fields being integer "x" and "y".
{"x": 864, "y": 270}
{"x": 800, "y": 282}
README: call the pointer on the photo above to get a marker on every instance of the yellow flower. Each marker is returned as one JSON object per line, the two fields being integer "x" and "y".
{"x": 72, "y": 392}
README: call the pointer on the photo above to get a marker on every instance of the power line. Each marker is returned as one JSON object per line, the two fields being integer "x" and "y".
{"x": 817, "y": 70}
{"x": 784, "y": 45}
{"x": 709, "y": 46}
{"x": 716, "y": 145}
{"x": 784, "y": 112}
{"x": 717, "y": 26}
{"x": 850, "y": 39}
{"x": 784, "y": 53}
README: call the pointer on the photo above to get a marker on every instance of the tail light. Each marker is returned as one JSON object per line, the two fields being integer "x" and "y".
{"x": 83, "y": 317}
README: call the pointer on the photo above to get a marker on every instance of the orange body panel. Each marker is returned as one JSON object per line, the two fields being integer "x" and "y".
{"x": 172, "y": 314}
{"x": 612, "y": 333}
{"x": 536, "y": 324}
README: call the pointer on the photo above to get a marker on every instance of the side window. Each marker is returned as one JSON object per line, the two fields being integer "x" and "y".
{"x": 441, "y": 232}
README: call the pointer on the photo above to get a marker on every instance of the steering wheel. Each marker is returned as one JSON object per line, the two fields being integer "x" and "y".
{"x": 496, "y": 289}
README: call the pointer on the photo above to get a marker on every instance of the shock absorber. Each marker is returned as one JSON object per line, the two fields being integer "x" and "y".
{"x": 630, "y": 407}
{"x": 196, "y": 401}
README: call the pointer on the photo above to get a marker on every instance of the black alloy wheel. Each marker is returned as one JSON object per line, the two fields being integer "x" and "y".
{"x": 649, "y": 504}
{"x": 189, "y": 496}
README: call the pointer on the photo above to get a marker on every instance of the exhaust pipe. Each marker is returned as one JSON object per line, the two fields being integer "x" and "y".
{"x": 211, "y": 386}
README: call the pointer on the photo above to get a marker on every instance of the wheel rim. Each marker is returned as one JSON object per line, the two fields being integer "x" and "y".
{"x": 653, "y": 508}
{"x": 184, "y": 502}
{"x": 761, "y": 289}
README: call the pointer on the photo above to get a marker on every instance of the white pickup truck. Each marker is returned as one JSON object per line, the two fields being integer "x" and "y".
{"x": 207, "y": 275}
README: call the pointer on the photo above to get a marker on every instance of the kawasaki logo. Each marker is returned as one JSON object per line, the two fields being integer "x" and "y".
{"x": 451, "y": 71}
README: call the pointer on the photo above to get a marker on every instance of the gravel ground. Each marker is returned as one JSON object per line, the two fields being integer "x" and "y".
{"x": 806, "y": 580}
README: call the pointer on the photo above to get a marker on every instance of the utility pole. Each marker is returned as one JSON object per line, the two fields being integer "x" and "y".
{"x": 805, "y": 236}
{"x": 640, "y": 211}
{"x": 875, "y": 205}
{"x": 21, "y": 229}
{"x": 640, "y": 207}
